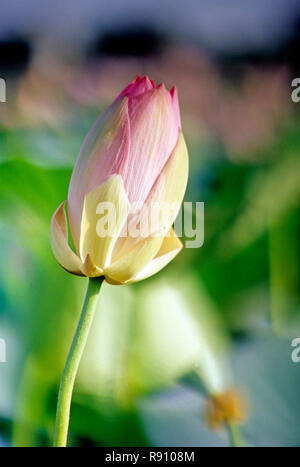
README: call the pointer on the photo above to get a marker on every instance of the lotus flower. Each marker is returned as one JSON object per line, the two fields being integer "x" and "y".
{"x": 134, "y": 157}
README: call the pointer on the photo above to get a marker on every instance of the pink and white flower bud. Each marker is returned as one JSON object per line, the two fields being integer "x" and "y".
{"x": 134, "y": 157}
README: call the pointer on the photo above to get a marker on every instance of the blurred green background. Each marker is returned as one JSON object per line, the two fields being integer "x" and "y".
{"x": 218, "y": 318}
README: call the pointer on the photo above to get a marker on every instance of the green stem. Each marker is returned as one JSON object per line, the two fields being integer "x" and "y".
{"x": 72, "y": 363}
{"x": 234, "y": 435}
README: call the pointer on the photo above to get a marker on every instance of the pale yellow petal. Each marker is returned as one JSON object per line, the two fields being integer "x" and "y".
{"x": 89, "y": 269}
{"x": 170, "y": 247}
{"x": 105, "y": 211}
{"x": 129, "y": 264}
{"x": 59, "y": 242}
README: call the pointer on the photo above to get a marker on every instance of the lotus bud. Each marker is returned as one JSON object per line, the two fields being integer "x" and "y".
{"x": 126, "y": 189}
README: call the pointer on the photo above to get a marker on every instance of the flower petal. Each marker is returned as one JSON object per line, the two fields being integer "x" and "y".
{"x": 89, "y": 269}
{"x": 128, "y": 265}
{"x": 99, "y": 234}
{"x": 174, "y": 95}
{"x": 59, "y": 242}
{"x": 137, "y": 86}
{"x": 170, "y": 187}
{"x": 102, "y": 154}
{"x": 165, "y": 198}
{"x": 170, "y": 247}
{"x": 129, "y": 87}
{"x": 153, "y": 135}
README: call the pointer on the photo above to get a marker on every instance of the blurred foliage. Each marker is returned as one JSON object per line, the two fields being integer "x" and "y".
{"x": 159, "y": 348}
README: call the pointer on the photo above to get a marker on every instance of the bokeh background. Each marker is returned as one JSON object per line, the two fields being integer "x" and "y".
{"x": 219, "y": 318}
